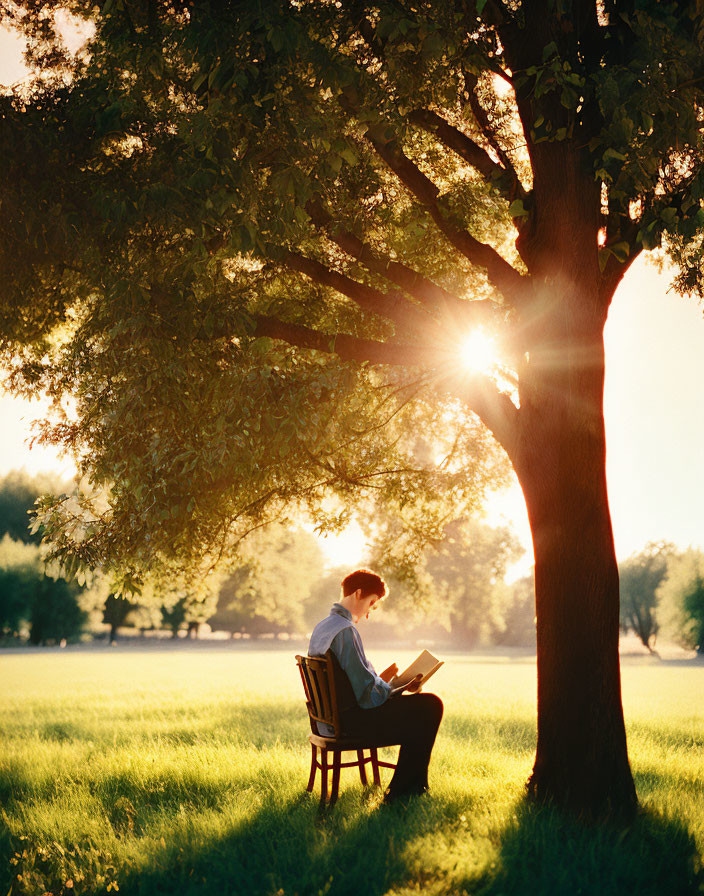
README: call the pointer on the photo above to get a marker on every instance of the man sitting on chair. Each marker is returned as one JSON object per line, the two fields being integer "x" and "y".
{"x": 381, "y": 712}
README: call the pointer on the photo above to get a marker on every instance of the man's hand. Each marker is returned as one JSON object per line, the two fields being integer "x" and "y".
{"x": 413, "y": 687}
{"x": 389, "y": 673}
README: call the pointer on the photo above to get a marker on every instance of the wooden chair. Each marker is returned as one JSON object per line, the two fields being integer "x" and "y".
{"x": 328, "y": 693}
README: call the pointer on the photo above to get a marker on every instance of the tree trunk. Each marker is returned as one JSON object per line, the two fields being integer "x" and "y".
{"x": 581, "y": 761}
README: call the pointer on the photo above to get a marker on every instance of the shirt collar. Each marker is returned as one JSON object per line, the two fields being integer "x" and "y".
{"x": 339, "y": 610}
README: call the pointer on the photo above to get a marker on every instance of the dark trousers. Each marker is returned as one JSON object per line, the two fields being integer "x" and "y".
{"x": 411, "y": 720}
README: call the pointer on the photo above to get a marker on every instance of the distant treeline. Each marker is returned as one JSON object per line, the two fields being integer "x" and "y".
{"x": 453, "y": 591}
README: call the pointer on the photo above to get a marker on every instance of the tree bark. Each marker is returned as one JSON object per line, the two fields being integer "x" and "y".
{"x": 581, "y": 761}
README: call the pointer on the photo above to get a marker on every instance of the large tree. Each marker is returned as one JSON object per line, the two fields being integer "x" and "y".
{"x": 250, "y": 240}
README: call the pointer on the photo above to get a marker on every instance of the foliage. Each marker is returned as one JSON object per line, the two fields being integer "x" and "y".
{"x": 50, "y": 607}
{"x": 457, "y": 581}
{"x": 18, "y": 494}
{"x": 18, "y": 565}
{"x": 640, "y": 576}
{"x": 182, "y": 771}
{"x": 681, "y": 599}
{"x": 519, "y": 614}
{"x": 189, "y": 602}
{"x": 271, "y": 588}
{"x": 116, "y": 612}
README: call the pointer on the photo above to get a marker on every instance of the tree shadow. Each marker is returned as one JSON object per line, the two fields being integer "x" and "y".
{"x": 543, "y": 852}
{"x": 284, "y": 846}
{"x": 291, "y": 847}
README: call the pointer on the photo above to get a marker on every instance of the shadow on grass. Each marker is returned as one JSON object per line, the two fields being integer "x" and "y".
{"x": 543, "y": 853}
{"x": 289, "y": 849}
{"x": 286, "y": 847}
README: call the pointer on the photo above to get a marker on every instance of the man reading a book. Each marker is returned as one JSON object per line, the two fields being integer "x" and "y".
{"x": 378, "y": 709}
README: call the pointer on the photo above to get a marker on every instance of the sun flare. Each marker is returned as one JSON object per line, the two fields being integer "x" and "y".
{"x": 478, "y": 352}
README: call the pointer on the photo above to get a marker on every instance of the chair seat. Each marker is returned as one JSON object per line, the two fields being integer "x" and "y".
{"x": 349, "y": 743}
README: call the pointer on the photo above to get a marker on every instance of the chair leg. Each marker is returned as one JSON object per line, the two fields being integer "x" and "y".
{"x": 313, "y": 767}
{"x": 323, "y": 776}
{"x": 336, "y": 760}
{"x": 375, "y": 766}
{"x": 362, "y": 767}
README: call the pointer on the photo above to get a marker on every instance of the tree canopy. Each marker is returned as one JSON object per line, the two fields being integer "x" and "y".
{"x": 202, "y": 174}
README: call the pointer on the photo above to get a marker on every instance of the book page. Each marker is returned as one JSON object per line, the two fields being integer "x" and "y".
{"x": 425, "y": 664}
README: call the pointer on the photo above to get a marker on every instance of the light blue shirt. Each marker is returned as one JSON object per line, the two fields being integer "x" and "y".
{"x": 338, "y": 633}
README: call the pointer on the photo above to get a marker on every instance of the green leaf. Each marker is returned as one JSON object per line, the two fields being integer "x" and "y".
{"x": 620, "y": 251}
{"x": 612, "y": 153}
{"x": 517, "y": 209}
{"x": 604, "y": 254}
{"x": 549, "y": 50}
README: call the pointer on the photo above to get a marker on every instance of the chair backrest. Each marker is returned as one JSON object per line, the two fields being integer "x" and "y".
{"x": 318, "y": 676}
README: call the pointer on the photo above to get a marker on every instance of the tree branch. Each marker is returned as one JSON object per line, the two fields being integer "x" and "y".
{"x": 487, "y": 128}
{"x": 494, "y": 408}
{"x": 505, "y": 179}
{"x": 429, "y": 294}
{"x": 501, "y": 274}
{"x": 392, "y": 306}
{"x": 349, "y": 348}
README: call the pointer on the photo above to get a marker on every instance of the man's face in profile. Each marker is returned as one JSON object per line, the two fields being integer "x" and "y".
{"x": 368, "y": 603}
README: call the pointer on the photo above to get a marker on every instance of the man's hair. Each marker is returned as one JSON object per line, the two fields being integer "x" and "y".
{"x": 367, "y": 581}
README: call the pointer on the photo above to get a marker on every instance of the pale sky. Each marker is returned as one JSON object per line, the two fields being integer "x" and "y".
{"x": 653, "y": 409}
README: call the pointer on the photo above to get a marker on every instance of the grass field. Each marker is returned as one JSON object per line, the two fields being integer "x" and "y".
{"x": 183, "y": 771}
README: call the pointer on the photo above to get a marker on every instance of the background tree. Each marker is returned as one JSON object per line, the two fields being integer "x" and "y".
{"x": 270, "y": 589}
{"x": 519, "y": 614}
{"x": 18, "y": 494}
{"x": 189, "y": 603}
{"x": 18, "y": 562}
{"x": 681, "y": 599}
{"x": 265, "y": 232}
{"x": 55, "y": 613}
{"x": 458, "y": 580}
{"x": 48, "y": 608}
{"x": 116, "y": 613}
{"x": 324, "y": 592}
{"x": 641, "y": 575}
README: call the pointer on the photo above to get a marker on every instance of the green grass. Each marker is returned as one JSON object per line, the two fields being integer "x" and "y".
{"x": 183, "y": 771}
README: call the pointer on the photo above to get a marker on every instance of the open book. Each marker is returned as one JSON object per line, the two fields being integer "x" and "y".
{"x": 425, "y": 664}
